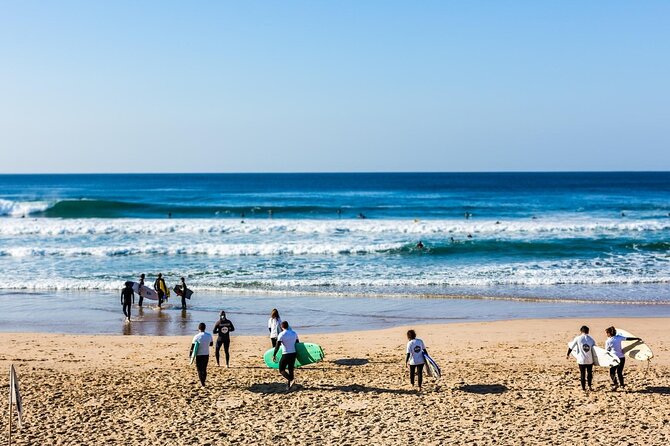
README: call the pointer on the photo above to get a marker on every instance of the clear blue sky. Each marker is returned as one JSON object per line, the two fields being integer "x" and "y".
{"x": 249, "y": 86}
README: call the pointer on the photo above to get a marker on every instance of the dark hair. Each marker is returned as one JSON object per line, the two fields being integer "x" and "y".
{"x": 182, "y": 279}
{"x": 611, "y": 331}
{"x": 160, "y": 275}
{"x": 274, "y": 314}
{"x": 584, "y": 329}
{"x": 223, "y": 313}
{"x": 284, "y": 325}
{"x": 142, "y": 275}
{"x": 202, "y": 326}
{"x": 411, "y": 334}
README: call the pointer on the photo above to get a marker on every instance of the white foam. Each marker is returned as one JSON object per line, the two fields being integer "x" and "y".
{"x": 554, "y": 227}
{"x": 21, "y": 208}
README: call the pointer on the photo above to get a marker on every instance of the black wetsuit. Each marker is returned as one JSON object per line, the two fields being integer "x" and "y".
{"x": 223, "y": 329}
{"x": 183, "y": 295}
{"x": 127, "y": 298}
{"x": 139, "y": 292}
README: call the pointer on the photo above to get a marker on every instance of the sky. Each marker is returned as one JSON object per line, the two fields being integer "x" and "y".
{"x": 174, "y": 86}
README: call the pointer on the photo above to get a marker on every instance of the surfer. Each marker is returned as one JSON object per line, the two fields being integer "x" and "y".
{"x": 287, "y": 340}
{"x": 583, "y": 346}
{"x": 127, "y": 298}
{"x": 204, "y": 341}
{"x": 184, "y": 289}
{"x": 160, "y": 287}
{"x": 223, "y": 327}
{"x": 139, "y": 289}
{"x": 274, "y": 326}
{"x": 613, "y": 344}
{"x": 414, "y": 357}
{"x": 420, "y": 245}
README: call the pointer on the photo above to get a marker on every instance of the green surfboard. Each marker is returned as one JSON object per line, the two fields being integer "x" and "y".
{"x": 194, "y": 353}
{"x": 307, "y": 354}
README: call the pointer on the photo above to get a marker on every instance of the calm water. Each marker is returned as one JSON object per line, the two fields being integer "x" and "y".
{"x": 586, "y": 236}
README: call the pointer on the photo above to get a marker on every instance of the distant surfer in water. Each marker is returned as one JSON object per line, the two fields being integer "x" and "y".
{"x": 420, "y": 245}
{"x": 613, "y": 344}
{"x": 160, "y": 287}
{"x": 204, "y": 341}
{"x": 414, "y": 357}
{"x": 583, "y": 345}
{"x": 287, "y": 340}
{"x": 274, "y": 326}
{"x": 223, "y": 327}
{"x": 127, "y": 299}
{"x": 139, "y": 289}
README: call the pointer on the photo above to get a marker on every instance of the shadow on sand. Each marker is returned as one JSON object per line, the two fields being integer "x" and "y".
{"x": 351, "y": 361}
{"x": 270, "y": 388}
{"x": 660, "y": 390}
{"x": 484, "y": 388}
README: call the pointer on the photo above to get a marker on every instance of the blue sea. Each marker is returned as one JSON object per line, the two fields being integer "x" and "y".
{"x": 579, "y": 238}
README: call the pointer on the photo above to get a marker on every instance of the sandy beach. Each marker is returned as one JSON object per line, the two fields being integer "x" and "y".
{"x": 503, "y": 383}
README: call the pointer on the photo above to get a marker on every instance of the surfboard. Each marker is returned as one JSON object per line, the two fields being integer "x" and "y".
{"x": 431, "y": 367}
{"x": 307, "y": 354}
{"x": 601, "y": 357}
{"x": 194, "y": 353}
{"x": 635, "y": 349}
{"x": 145, "y": 291}
{"x": 177, "y": 290}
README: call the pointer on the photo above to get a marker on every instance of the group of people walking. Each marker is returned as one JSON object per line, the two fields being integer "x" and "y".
{"x": 281, "y": 337}
{"x": 583, "y": 345}
{"x": 159, "y": 286}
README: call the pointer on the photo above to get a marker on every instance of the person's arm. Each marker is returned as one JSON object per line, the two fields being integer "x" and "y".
{"x": 133, "y": 294}
{"x": 406, "y": 359}
{"x": 274, "y": 354}
{"x": 232, "y": 327}
{"x": 217, "y": 328}
{"x": 121, "y": 297}
{"x": 633, "y": 339}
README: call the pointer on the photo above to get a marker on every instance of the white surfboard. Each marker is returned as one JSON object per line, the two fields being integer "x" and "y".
{"x": 635, "y": 349}
{"x": 601, "y": 357}
{"x": 145, "y": 291}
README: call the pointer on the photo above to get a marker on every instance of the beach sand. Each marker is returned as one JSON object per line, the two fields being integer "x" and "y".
{"x": 503, "y": 383}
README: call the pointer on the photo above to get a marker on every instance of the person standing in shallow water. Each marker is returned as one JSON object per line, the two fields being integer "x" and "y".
{"x": 139, "y": 289}
{"x": 414, "y": 357}
{"x": 583, "y": 346}
{"x": 160, "y": 287}
{"x": 274, "y": 326}
{"x": 183, "y": 293}
{"x": 223, "y": 327}
{"x": 204, "y": 341}
{"x": 127, "y": 298}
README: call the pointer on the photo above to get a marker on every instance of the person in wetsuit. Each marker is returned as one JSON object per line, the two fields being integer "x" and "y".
{"x": 183, "y": 293}
{"x": 139, "y": 289}
{"x": 223, "y": 327}
{"x": 159, "y": 286}
{"x": 127, "y": 299}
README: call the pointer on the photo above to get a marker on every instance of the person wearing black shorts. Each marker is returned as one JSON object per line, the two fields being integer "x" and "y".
{"x": 287, "y": 341}
{"x": 223, "y": 327}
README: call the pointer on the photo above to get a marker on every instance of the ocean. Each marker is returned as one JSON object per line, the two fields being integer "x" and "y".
{"x": 576, "y": 238}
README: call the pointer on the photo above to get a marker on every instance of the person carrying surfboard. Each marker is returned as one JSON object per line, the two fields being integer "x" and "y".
{"x": 223, "y": 327}
{"x": 161, "y": 288}
{"x": 204, "y": 341}
{"x": 184, "y": 289}
{"x": 583, "y": 345}
{"x": 415, "y": 358}
{"x": 127, "y": 298}
{"x": 141, "y": 282}
{"x": 274, "y": 326}
{"x": 287, "y": 340}
{"x": 613, "y": 344}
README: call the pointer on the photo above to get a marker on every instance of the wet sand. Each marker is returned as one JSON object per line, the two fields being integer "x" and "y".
{"x": 503, "y": 383}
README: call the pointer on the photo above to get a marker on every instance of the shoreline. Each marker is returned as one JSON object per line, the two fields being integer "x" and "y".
{"x": 503, "y": 382}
